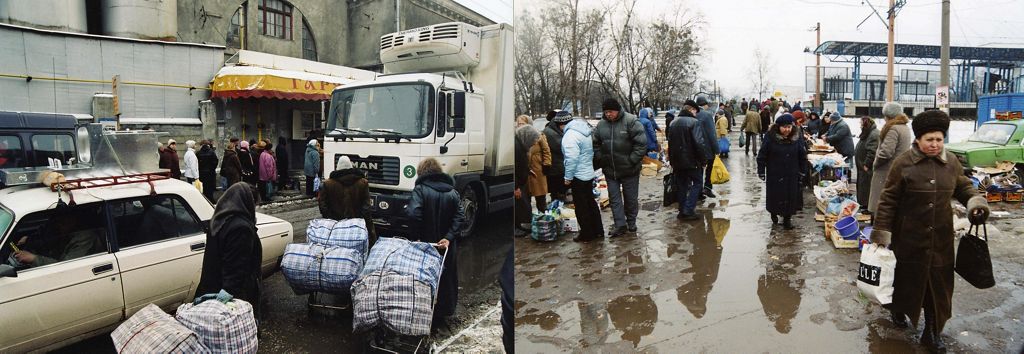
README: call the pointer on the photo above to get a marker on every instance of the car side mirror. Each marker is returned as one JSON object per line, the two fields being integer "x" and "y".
{"x": 7, "y": 271}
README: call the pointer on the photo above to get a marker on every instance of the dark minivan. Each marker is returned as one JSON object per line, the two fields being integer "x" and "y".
{"x": 31, "y": 139}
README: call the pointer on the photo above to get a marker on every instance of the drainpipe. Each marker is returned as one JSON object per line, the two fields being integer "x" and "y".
{"x": 398, "y": 15}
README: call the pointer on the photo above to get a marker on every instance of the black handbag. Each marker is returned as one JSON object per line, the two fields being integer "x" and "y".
{"x": 973, "y": 261}
{"x": 669, "y": 197}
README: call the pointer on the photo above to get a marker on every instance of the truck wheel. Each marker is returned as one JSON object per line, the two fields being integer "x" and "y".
{"x": 471, "y": 208}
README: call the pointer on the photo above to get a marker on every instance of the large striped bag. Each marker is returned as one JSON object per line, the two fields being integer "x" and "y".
{"x": 151, "y": 330}
{"x": 223, "y": 324}
{"x": 417, "y": 259}
{"x": 312, "y": 267}
{"x": 397, "y": 302}
{"x": 348, "y": 233}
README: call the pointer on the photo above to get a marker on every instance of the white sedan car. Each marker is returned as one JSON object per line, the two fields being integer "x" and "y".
{"x": 97, "y": 262}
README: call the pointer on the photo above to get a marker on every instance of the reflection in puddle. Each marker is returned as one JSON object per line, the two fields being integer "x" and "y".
{"x": 704, "y": 263}
{"x": 634, "y": 316}
{"x": 547, "y": 320}
{"x": 779, "y": 288}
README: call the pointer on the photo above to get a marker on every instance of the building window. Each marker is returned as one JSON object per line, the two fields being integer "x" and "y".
{"x": 275, "y": 19}
{"x": 234, "y": 38}
{"x": 308, "y": 43}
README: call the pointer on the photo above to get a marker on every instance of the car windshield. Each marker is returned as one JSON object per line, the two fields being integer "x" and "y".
{"x": 396, "y": 110}
{"x": 997, "y": 134}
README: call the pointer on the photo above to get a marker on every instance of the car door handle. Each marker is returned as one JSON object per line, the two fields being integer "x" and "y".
{"x": 103, "y": 268}
{"x": 465, "y": 163}
{"x": 198, "y": 246}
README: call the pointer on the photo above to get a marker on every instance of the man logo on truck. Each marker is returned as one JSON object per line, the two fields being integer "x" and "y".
{"x": 363, "y": 165}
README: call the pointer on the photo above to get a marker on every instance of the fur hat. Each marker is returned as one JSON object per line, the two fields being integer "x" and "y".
{"x": 702, "y": 101}
{"x": 930, "y": 121}
{"x": 784, "y": 119}
{"x": 691, "y": 103}
{"x": 611, "y": 105}
{"x": 562, "y": 117}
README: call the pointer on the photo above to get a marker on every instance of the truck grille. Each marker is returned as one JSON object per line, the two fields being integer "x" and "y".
{"x": 379, "y": 169}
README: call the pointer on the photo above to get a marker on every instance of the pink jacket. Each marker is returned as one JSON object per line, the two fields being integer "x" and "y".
{"x": 268, "y": 167}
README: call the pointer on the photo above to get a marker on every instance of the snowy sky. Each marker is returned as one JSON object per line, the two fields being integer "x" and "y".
{"x": 733, "y": 28}
{"x": 499, "y": 11}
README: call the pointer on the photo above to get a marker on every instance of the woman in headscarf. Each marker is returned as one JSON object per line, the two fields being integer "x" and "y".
{"x": 915, "y": 219}
{"x": 780, "y": 163}
{"x": 437, "y": 215}
{"x": 233, "y": 250}
{"x": 525, "y": 138}
{"x": 540, "y": 166}
{"x": 894, "y": 139}
{"x": 311, "y": 165}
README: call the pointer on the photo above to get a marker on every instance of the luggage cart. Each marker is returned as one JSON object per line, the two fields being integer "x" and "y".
{"x": 316, "y": 300}
{"x": 386, "y": 341}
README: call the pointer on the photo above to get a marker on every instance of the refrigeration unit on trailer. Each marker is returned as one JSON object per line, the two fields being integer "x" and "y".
{"x": 446, "y": 93}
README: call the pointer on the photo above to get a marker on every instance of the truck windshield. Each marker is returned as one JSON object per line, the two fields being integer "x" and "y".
{"x": 997, "y": 134}
{"x": 394, "y": 110}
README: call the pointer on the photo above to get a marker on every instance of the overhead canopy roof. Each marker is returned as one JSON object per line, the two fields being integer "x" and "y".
{"x": 258, "y": 82}
{"x": 848, "y": 52}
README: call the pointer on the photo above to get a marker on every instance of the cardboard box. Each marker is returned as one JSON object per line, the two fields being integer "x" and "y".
{"x": 570, "y": 225}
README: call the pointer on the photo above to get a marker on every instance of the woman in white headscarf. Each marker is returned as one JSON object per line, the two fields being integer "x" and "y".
{"x": 311, "y": 167}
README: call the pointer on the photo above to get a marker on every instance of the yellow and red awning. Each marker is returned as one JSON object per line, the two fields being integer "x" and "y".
{"x": 258, "y": 82}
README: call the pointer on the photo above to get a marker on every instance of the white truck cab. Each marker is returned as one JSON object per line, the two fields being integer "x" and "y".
{"x": 446, "y": 94}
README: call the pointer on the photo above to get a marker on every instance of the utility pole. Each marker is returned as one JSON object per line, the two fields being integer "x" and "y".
{"x": 889, "y": 85}
{"x": 944, "y": 55}
{"x": 817, "y": 70}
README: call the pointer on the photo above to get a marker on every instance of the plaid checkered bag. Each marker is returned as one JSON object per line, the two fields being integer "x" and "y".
{"x": 224, "y": 325}
{"x": 348, "y": 233}
{"x": 397, "y": 302}
{"x": 311, "y": 267}
{"x": 418, "y": 259}
{"x": 151, "y": 330}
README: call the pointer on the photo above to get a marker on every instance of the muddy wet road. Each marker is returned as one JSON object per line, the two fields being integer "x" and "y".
{"x": 730, "y": 282}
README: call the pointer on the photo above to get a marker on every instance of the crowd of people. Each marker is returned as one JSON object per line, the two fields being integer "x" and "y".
{"x": 258, "y": 163}
{"x": 904, "y": 181}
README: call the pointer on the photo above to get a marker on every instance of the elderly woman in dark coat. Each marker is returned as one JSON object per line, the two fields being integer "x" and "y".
{"x": 436, "y": 213}
{"x": 914, "y": 218}
{"x": 780, "y": 163}
{"x": 233, "y": 250}
{"x": 231, "y": 166}
{"x": 864, "y": 158}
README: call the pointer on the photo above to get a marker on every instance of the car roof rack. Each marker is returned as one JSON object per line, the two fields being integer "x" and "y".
{"x": 106, "y": 181}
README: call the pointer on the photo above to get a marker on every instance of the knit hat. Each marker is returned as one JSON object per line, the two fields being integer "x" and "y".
{"x": 312, "y": 142}
{"x": 835, "y": 116}
{"x": 170, "y": 141}
{"x": 611, "y": 105}
{"x": 553, "y": 113}
{"x": 930, "y": 121}
{"x": 562, "y": 117}
{"x": 344, "y": 163}
{"x": 702, "y": 100}
{"x": 784, "y": 119}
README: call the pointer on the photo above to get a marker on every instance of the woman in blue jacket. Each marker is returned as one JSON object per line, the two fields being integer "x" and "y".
{"x": 578, "y": 148}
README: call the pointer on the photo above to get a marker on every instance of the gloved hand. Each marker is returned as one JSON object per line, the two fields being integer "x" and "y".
{"x": 977, "y": 210}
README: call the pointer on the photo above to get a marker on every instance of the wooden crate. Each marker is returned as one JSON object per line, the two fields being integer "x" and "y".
{"x": 1013, "y": 196}
{"x": 832, "y": 234}
{"x": 993, "y": 197}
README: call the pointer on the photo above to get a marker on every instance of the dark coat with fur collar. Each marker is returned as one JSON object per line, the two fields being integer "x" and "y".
{"x": 436, "y": 211}
{"x": 782, "y": 160}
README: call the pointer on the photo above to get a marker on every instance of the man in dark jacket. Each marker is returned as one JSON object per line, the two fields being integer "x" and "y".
{"x": 707, "y": 122}
{"x": 620, "y": 144}
{"x": 233, "y": 250}
{"x": 346, "y": 195}
{"x": 554, "y": 131}
{"x": 208, "y": 169}
{"x": 169, "y": 158}
{"x": 437, "y": 215}
{"x": 839, "y": 135}
{"x": 688, "y": 153}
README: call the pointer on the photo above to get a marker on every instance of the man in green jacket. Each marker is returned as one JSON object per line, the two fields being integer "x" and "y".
{"x": 619, "y": 147}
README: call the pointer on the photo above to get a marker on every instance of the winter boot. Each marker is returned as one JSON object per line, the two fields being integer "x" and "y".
{"x": 775, "y": 219}
{"x": 787, "y": 223}
{"x": 898, "y": 319}
{"x": 931, "y": 338}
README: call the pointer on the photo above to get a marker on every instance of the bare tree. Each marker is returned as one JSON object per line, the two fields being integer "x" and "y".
{"x": 761, "y": 73}
{"x": 535, "y": 89}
